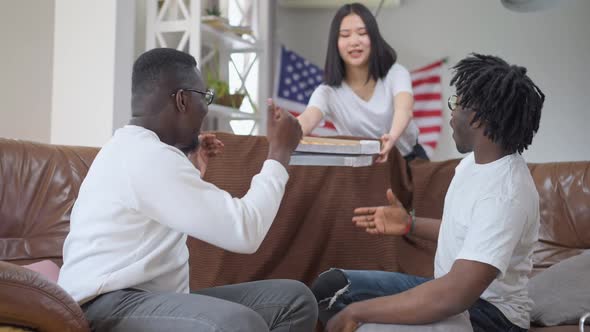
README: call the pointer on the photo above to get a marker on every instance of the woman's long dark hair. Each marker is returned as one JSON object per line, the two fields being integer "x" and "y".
{"x": 382, "y": 55}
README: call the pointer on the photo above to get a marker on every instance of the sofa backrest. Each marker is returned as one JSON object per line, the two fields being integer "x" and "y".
{"x": 564, "y": 193}
{"x": 312, "y": 231}
{"x": 564, "y": 199}
{"x": 38, "y": 186}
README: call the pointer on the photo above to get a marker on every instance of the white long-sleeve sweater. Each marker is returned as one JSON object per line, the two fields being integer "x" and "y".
{"x": 137, "y": 204}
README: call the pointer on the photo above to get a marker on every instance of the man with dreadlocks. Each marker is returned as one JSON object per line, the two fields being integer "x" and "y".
{"x": 489, "y": 225}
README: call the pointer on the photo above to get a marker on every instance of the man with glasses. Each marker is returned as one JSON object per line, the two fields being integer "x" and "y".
{"x": 126, "y": 259}
{"x": 489, "y": 225}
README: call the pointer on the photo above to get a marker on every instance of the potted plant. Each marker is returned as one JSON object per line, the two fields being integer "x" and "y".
{"x": 222, "y": 94}
{"x": 213, "y": 9}
{"x": 213, "y": 17}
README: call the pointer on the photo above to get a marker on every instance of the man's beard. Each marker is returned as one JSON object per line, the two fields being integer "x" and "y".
{"x": 192, "y": 147}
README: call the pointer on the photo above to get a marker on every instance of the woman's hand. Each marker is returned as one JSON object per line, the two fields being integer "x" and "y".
{"x": 310, "y": 119}
{"x": 387, "y": 143}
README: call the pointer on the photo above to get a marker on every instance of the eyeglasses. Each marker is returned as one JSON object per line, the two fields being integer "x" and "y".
{"x": 208, "y": 95}
{"x": 452, "y": 102}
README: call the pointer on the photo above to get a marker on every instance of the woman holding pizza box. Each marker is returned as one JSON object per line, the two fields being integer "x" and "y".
{"x": 365, "y": 92}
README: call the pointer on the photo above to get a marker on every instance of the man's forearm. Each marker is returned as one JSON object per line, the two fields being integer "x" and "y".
{"x": 426, "y": 228}
{"x": 420, "y": 305}
{"x": 281, "y": 155}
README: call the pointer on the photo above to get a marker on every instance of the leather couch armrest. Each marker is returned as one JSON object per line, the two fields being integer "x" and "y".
{"x": 31, "y": 301}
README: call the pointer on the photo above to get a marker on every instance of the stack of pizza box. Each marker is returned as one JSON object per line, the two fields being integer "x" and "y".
{"x": 322, "y": 151}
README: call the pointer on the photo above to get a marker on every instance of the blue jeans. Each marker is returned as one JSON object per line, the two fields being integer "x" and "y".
{"x": 336, "y": 288}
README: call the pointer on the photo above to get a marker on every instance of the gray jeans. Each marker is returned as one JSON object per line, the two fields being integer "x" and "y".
{"x": 269, "y": 305}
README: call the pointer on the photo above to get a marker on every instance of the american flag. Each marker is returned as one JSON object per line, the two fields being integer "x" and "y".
{"x": 427, "y": 87}
{"x": 297, "y": 78}
{"x": 296, "y": 81}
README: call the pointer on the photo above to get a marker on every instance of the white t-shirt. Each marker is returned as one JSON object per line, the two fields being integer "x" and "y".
{"x": 137, "y": 203}
{"x": 491, "y": 215}
{"x": 353, "y": 116}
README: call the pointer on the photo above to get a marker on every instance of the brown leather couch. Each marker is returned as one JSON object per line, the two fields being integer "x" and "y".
{"x": 312, "y": 231}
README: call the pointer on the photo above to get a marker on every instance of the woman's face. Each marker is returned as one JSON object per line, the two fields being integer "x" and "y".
{"x": 354, "y": 44}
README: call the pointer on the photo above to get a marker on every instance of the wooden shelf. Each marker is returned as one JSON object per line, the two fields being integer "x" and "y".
{"x": 183, "y": 25}
{"x": 213, "y": 37}
{"x": 231, "y": 113}
{"x": 227, "y": 40}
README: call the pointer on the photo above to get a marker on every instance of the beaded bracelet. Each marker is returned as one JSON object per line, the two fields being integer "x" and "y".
{"x": 411, "y": 222}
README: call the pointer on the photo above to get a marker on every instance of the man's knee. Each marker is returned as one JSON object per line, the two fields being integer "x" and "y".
{"x": 301, "y": 295}
{"x": 242, "y": 318}
{"x": 328, "y": 284}
{"x": 235, "y": 318}
{"x": 304, "y": 308}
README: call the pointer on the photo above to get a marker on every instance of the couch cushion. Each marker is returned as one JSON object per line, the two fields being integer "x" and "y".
{"x": 457, "y": 323}
{"x": 430, "y": 181}
{"x": 564, "y": 193}
{"x": 563, "y": 328}
{"x": 29, "y": 300}
{"x": 561, "y": 293}
{"x": 39, "y": 185}
{"x": 46, "y": 268}
{"x": 6, "y": 328}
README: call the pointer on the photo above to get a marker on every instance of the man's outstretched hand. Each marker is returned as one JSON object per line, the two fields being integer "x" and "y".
{"x": 390, "y": 220}
{"x": 209, "y": 146}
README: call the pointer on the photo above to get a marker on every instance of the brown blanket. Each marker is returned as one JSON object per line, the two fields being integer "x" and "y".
{"x": 313, "y": 230}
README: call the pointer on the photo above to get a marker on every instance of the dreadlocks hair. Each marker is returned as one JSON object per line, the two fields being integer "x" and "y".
{"x": 502, "y": 96}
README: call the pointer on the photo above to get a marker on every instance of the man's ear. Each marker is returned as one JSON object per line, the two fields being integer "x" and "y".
{"x": 475, "y": 124}
{"x": 180, "y": 101}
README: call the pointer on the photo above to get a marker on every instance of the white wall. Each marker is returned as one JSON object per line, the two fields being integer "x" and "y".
{"x": 554, "y": 45}
{"x": 140, "y": 21}
{"x": 124, "y": 58}
{"x": 26, "y": 59}
{"x": 91, "y": 70}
